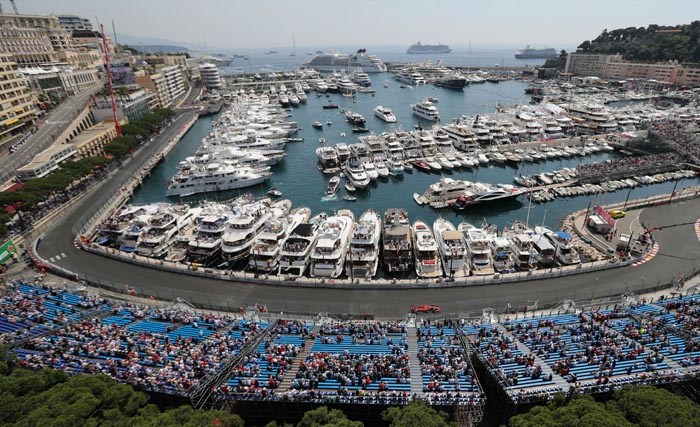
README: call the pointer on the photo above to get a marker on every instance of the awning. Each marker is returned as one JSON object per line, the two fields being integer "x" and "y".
{"x": 563, "y": 235}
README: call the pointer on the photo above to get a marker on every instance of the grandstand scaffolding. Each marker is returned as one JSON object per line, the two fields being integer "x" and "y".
{"x": 204, "y": 394}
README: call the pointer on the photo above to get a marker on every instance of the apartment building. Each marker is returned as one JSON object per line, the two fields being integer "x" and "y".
{"x": 17, "y": 103}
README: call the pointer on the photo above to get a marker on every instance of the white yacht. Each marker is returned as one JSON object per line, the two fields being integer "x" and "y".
{"x": 426, "y": 110}
{"x": 524, "y": 253}
{"x": 384, "y": 113}
{"x": 215, "y": 177}
{"x": 265, "y": 252}
{"x": 478, "y": 249}
{"x": 327, "y": 158}
{"x": 410, "y": 76}
{"x": 296, "y": 250}
{"x": 328, "y": 253}
{"x": 370, "y": 169}
{"x": 345, "y": 62}
{"x": 204, "y": 248}
{"x": 162, "y": 228}
{"x": 243, "y": 227}
{"x": 355, "y": 172}
{"x": 453, "y": 250}
{"x": 426, "y": 252}
{"x": 319, "y": 86}
{"x": 502, "y": 254}
{"x": 460, "y": 193}
{"x": 363, "y": 255}
{"x": 245, "y": 157}
{"x": 361, "y": 78}
{"x": 566, "y": 252}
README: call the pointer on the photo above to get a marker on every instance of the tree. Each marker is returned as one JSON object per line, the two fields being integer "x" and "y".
{"x": 416, "y": 413}
{"x": 322, "y": 417}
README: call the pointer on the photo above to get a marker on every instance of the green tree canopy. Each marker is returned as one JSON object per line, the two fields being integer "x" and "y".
{"x": 415, "y": 414}
{"x": 323, "y": 417}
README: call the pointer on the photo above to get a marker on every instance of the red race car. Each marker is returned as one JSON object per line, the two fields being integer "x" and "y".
{"x": 425, "y": 309}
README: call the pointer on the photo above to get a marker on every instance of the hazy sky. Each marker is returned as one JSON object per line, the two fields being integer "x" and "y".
{"x": 272, "y": 23}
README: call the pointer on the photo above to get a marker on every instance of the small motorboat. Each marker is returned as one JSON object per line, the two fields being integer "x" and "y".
{"x": 328, "y": 123}
{"x": 349, "y": 198}
{"x": 351, "y": 188}
{"x": 360, "y": 130}
{"x": 433, "y": 99}
{"x": 418, "y": 199}
{"x": 330, "y": 106}
{"x": 317, "y": 125}
{"x": 322, "y": 140}
{"x": 421, "y": 166}
{"x": 272, "y": 191}
{"x": 333, "y": 185}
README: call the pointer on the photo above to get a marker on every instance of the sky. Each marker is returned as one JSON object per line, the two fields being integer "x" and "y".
{"x": 235, "y": 24}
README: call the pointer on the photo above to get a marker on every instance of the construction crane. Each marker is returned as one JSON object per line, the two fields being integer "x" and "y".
{"x": 117, "y": 126}
{"x": 14, "y": 6}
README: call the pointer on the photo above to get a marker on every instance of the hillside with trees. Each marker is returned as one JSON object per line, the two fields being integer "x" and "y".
{"x": 651, "y": 44}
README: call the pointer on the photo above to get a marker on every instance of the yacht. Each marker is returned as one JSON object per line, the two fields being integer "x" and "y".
{"x": 215, "y": 177}
{"x": 461, "y": 193}
{"x": 478, "y": 249}
{"x": 265, "y": 252}
{"x": 546, "y": 253}
{"x": 385, "y": 114}
{"x": 566, "y": 252}
{"x": 451, "y": 81}
{"x": 327, "y": 158}
{"x": 319, "y": 85}
{"x": 296, "y": 250}
{"x": 426, "y": 110}
{"x": 524, "y": 253}
{"x": 453, "y": 249}
{"x": 328, "y": 253}
{"x": 428, "y": 264}
{"x": 242, "y": 229}
{"x": 361, "y": 78}
{"x": 162, "y": 228}
{"x": 370, "y": 169}
{"x": 355, "y": 172}
{"x": 204, "y": 248}
{"x": 397, "y": 241}
{"x": 363, "y": 255}
{"x": 345, "y": 62}
{"x": 502, "y": 254}
{"x": 354, "y": 118}
{"x": 382, "y": 169}
{"x": 333, "y": 186}
{"x": 410, "y": 76}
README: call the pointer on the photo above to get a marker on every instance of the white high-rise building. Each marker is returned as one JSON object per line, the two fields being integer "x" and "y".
{"x": 210, "y": 76}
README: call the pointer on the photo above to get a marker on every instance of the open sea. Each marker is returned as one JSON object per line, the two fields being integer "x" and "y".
{"x": 298, "y": 178}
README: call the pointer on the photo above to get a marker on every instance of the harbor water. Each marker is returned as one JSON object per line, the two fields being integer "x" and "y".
{"x": 299, "y": 179}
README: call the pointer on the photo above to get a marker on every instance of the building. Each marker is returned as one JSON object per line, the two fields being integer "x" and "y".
{"x": 584, "y": 64}
{"x": 46, "y": 162}
{"x": 134, "y": 104}
{"x": 73, "y": 22}
{"x": 168, "y": 84}
{"x": 17, "y": 103}
{"x": 91, "y": 141}
{"x": 613, "y": 67}
{"x": 60, "y": 81}
{"x": 29, "y": 39}
{"x": 92, "y": 40}
{"x": 210, "y": 76}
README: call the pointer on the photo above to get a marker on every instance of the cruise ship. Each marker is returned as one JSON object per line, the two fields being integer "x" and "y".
{"x": 397, "y": 242}
{"x": 420, "y": 48}
{"x": 530, "y": 53}
{"x": 363, "y": 255}
{"x": 346, "y": 62}
{"x": 215, "y": 177}
{"x": 328, "y": 254}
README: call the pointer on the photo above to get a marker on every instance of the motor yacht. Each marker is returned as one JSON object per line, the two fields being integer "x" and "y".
{"x": 385, "y": 114}
{"x": 330, "y": 248}
{"x": 426, "y": 252}
{"x": 453, "y": 249}
{"x": 363, "y": 255}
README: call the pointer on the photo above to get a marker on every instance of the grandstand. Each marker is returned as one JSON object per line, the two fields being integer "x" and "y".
{"x": 217, "y": 360}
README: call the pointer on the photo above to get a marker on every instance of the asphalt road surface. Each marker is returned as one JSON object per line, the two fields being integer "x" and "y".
{"x": 679, "y": 253}
{"x": 53, "y": 125}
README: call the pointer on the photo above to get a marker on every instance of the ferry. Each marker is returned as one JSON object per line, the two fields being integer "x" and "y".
{"x": 397, "y": 241}
{"x": 453, "y": 249}
{"x": 426, "y": 252}
{"x": 328, "y": 253}
{"x": 363, "y": 255}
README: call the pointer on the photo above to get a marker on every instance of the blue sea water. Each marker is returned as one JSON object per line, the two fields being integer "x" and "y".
{"x": 461, "y": 56}
{"x": 299, "y": 180}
